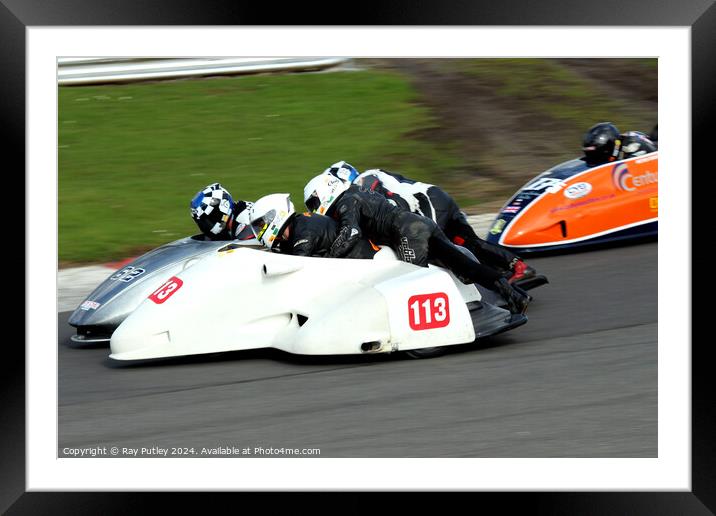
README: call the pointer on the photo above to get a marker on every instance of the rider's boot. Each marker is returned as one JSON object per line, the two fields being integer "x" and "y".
{"x": 519, "y": 270}
{"x": 517, "y": 299}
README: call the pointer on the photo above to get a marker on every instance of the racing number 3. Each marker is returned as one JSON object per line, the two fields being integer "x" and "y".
{"x": 166, "y": 290}
{"x": 428, "y": 311}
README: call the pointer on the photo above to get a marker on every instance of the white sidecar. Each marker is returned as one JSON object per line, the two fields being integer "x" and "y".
{"x": 241, "y": 298}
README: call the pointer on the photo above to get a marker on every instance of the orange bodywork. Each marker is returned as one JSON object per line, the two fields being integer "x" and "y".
{"x": 601, "y": 200}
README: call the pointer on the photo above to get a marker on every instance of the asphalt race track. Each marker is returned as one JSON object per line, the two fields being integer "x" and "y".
{"x": 578, "y": 380}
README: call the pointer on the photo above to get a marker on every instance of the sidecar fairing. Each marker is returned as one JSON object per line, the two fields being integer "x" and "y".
{"x": 125, "y": 289}
{"x": 242, "y": 298}
{"x": 574, "y": 205}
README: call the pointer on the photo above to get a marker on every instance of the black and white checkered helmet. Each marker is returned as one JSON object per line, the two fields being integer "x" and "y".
{"x": 211, "y": 209}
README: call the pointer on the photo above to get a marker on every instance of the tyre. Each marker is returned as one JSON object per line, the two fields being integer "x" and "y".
{"x": 425, "y": 352}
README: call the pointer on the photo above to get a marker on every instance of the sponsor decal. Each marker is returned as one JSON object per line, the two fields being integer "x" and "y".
{"x": 578, "y": 190}
{"x": 261, "y": 232}
{"x": 623, "y": 179}
{"x": 407, "y": 252}
{"x": 585, "y": 202}
{"x": 511, "y": 209}
{"x": 428, "y": 311}
{"x": 497, "y": 227}
{"x": 167, "y": 290}
{"x": 548, "y": 184}
{"x": 654, "y": 203}
{"x": 90, "y": 305}
{"x": 127, "y": 274}
{"x": 620, "y": 173}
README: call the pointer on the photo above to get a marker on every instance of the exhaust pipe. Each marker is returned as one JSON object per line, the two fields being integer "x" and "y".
{"x": 276, "y": 269}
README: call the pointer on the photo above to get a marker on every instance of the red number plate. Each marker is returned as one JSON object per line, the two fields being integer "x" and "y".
{"x": 428, "y": 311}
{"x": 166, "y": 290}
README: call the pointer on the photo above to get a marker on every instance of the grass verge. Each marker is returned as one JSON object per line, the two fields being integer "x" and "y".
{"x": 132, "y": 156}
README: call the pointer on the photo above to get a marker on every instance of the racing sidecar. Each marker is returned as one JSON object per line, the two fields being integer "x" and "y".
{"x": 239, "y": 298}
{"x": 573, "y": 204}
{"x": 122, "y": 292}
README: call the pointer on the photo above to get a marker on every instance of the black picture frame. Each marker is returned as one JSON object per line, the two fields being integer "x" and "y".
{"x": 17, "y": 15}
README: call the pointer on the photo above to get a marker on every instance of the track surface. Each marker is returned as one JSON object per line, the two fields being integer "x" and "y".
{"x": 578, "y": 380}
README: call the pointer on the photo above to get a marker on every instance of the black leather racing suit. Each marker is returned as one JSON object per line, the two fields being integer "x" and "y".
{"x": 362, "y": 213}
{"x": 312, "y": 235}
{"x": 436, "y": 204}
{"x": 635, "y": 143}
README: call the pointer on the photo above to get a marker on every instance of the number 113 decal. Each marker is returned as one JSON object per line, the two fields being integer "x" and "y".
{"x": 428, "y": 311}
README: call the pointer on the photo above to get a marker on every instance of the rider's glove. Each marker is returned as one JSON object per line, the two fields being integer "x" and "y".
{"x": 347, "y": 238}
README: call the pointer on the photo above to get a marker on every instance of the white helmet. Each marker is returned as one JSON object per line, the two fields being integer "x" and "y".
{"x": 322, "y": 191}
{"x": 269, "y": 215}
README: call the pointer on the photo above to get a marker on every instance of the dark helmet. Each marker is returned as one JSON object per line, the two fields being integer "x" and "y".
{"x": 601, "y": 143}
{"x": 212, "y": 210}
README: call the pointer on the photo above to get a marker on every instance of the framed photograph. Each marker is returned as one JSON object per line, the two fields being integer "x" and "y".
{"x": 585, "y": 400}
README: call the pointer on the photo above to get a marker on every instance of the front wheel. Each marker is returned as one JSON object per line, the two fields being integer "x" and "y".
{"x": 425, "y": 352}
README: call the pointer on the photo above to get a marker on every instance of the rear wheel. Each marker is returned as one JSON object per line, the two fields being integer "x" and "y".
{"x": 425, "y": 352}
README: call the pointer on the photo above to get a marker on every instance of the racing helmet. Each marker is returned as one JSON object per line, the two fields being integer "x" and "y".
{"x": 268, "y": 217}
{"x": 211, "y": 209}
{"x": 601, "y": 143}
{"x": 241, "y": 226}
{"x": 343, "y": 171}
{"x": 242, "y": 215}
{"x": 322, "y": 191}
